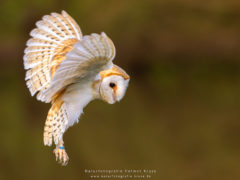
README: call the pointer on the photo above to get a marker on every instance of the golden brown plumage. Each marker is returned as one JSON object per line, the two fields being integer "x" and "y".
{"x": 115, "y": 70}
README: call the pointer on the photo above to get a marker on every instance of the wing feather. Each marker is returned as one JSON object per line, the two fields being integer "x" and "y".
{"x": 54, "y": 36}
{"x": 75, "y": 28}
{"x": 89, "y": 56}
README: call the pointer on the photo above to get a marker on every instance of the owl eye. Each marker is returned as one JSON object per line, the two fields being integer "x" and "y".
{"x": 112, "y": 85}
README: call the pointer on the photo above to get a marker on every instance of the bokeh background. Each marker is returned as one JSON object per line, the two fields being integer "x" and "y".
{"x": 180, "y": 115}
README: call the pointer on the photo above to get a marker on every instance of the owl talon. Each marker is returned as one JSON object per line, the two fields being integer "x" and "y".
{"x": 61, "y": 155}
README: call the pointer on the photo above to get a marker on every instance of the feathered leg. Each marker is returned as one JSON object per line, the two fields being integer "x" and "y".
{"x": 54, "y": 129}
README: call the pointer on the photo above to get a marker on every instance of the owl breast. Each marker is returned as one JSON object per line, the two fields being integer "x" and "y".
{"x": 76, "y": 97}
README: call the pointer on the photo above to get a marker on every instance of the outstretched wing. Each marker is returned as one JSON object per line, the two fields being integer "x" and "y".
{"x": 54, "y": 36}
{"x": 88, "y": 57}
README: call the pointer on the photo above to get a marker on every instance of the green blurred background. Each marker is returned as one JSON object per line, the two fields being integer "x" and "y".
{"x": 180, "y": 114}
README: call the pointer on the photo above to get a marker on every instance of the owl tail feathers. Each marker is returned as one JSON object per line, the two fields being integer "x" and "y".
{"x": 55, "y": 124}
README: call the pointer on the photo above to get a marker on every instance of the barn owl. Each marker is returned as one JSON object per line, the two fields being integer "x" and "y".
{"x": 70, "y": 70}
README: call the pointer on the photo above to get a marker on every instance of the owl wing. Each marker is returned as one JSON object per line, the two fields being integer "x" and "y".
{"x": 54, "y": 36}
{"x": 88, "y": 57}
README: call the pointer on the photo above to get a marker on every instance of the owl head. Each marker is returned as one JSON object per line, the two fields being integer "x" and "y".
{"x": 114, "y": 83}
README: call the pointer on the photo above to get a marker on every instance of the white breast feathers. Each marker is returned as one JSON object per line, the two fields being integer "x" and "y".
{"x": 76, "y": 97}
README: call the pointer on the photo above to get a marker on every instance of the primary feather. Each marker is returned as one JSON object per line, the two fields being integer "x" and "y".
{"x": 54, "y": 34}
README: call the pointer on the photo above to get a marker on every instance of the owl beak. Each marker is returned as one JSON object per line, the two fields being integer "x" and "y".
{"x": 114, "y": 98}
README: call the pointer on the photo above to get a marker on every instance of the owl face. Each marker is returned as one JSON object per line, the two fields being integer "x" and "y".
{"x": 113, "y": 88}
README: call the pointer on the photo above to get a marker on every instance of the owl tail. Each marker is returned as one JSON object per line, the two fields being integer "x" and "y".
{"x": 55, "y": 124}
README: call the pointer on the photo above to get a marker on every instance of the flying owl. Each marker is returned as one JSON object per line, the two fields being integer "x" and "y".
{"x": 70, "y": 70}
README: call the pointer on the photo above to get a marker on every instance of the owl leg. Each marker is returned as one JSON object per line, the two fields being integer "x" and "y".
{"x": 60, "y": 153}
{"x": 54, "y": 129}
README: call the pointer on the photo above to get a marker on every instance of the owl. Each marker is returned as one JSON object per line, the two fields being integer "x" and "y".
{"x": 69, "y": 70}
